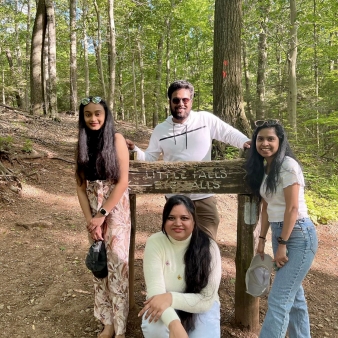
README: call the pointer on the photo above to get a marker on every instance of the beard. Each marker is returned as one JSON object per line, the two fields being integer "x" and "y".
{"x": 180, "y": 116}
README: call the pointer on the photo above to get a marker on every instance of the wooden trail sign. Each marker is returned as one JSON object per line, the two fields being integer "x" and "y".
{"x": 218, "y": 177}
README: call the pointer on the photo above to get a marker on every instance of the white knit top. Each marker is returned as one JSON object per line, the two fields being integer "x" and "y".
{"x": 164, "y": 267}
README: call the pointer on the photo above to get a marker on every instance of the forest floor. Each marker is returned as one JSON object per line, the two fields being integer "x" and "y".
{"x": 46, "y": 290}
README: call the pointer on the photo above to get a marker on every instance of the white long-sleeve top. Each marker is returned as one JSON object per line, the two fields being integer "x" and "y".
{"x": 190, "y": 141}
{"x": 163, "y": 267}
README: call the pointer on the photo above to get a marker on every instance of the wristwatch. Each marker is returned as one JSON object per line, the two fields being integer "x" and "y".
{"x": 104, "y": 212}
{"x": 281, "y": 241}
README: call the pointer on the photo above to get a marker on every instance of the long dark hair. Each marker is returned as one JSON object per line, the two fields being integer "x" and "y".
{"x": 255, "y": 162}
{"x": 197, "y": 258}
{"x": 101, "y": 143}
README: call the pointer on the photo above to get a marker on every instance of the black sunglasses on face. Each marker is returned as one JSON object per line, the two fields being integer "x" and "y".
{"x": 260, "y": 123}
{"x": 94, "y": 99}
{"x": 176, "y": 100}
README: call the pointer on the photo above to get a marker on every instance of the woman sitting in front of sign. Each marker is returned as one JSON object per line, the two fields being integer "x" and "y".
{"x": 182, "y": 269}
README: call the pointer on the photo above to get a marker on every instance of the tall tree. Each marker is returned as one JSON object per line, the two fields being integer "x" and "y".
{"x": 52, "y": 110}
{"x": 227, "y": 90}
{"x": 36, "y": 68}
{"x": 292, "y": 60}
{"x": 262, "y": 60}
{"x": 85, "y": 46}
{"x": 112, "y": 57}
{"x": 73, "y": 59}
{"x": 98, "y": 48}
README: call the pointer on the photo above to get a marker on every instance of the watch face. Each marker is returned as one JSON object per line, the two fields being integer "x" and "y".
{"x": 103, "y": 212}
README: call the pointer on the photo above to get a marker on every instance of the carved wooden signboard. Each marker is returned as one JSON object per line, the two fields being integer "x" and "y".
{"x": 220, "y": 177}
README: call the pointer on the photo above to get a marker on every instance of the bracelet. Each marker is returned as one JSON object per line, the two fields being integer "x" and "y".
{"x": 261, "y": 237}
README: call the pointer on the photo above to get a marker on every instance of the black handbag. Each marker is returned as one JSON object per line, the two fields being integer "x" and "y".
{"x": 96, "y": 260}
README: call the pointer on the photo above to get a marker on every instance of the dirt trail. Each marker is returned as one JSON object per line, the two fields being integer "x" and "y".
{"x": 46, "y": 290}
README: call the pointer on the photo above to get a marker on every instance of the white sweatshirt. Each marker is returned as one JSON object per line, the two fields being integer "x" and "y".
{"x": 190, "y": 141}
{"x": 163, "y": 267}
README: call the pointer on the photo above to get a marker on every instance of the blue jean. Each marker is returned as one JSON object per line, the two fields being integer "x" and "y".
{"x": 287, "y": 308}
{"x": 207, "y": 325}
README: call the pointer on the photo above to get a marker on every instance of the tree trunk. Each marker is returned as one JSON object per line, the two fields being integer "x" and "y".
{"x": 227, "y": 64}
{"x": 98, "y": 47}
{"x": 13, "y": 78}
{"x": 292, "y": 59}
{"x": 247, "y": 95}
{"x": 112, "y": 58}
{"x": 18, "y": 75}
{"x": 36, "y": 69}
{"x": 167, "y": 82}
{"x": 28, "y": 47}
{"x": 261, "y": 65}
{"x": 85, "y": 47}
{"x": 121, "y": 97}
{"x": 73, "y": 61}
{"x": 157, "y": 91}
{"x": 315, "y": 66}
{"x": 52, "y": 90}
{"x": 143, "y": 108}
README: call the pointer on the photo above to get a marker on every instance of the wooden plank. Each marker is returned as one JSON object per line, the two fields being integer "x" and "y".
{"x": 246, "y": 306}
{"x": 219, "y": 177}
{"x": 132, "y": 201}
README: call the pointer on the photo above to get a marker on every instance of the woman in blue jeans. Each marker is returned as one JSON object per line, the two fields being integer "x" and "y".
{"x": 276, "y": 177}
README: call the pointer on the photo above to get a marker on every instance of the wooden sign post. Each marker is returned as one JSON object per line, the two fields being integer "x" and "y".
{"x": 219, "y": 177}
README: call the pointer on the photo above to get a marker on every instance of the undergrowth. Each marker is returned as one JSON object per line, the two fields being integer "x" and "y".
{"x": 321, "y": 178}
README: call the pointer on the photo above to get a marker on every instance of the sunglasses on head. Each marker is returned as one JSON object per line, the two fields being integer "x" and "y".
{"x": 176, "y": 100}
{"x": 94, "y": 99}
{"x": 260, "y": 123}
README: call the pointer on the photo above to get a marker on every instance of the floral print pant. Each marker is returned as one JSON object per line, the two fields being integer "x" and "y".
{"x": 111, "y": 293}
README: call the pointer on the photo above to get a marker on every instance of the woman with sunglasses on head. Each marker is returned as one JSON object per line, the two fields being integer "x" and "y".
{"x": 275, "y": 176}
{"x": 182, "y": 269}
{"x": 102, "y": 187}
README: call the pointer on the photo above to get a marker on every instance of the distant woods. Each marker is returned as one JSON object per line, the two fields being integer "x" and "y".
{"x": 248, "y": 60}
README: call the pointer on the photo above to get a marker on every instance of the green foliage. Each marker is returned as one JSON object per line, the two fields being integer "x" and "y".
{"x": 322, "y": 210}
{"x": 321, "y": 179}
{"x": 27, "y": 146}
{"x": 6, "y": 143}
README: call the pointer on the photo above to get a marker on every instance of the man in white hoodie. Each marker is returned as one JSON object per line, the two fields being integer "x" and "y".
{"x": 187, "y": 135}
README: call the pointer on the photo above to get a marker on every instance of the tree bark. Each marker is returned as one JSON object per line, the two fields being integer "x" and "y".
{"x": 28, "y": 47}
{"x": 13, "y": 78}
{"x": 98, "y": 47}
{"x": 143, "y": 108}
{"x": 292, "y": 60}
{"x": 157, "y": 91}
{"x": 261, "y": 65}
{"x": 227, "y": 91}
{"x": 73, "y": 60}
{"x": 85, "y": 47}
{"x": 36, "y": 69}
{"x": 52, "y": 90}
{"x": 112, "y": 58}
{"x": 247, "y": 95}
